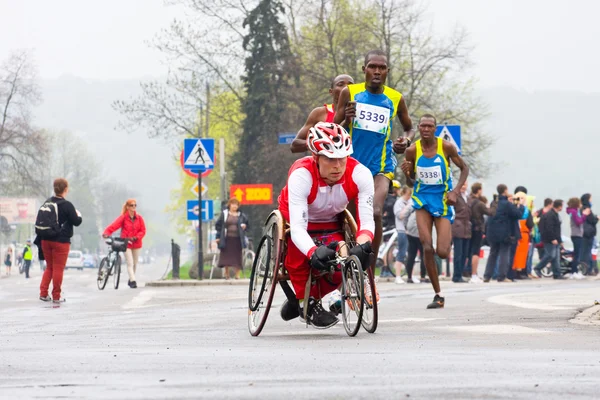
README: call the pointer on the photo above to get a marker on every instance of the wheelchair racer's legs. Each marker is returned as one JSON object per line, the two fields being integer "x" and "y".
{"x": 299, "y": 270}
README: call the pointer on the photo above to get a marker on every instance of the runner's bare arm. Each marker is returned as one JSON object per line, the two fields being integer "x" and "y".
{"x": 341, "y": 118}
{"x": 315, "y": 116}
{"x": 408, "y": 165}
{"x": 452, "y": 154}
{"x": 400, "y": 144}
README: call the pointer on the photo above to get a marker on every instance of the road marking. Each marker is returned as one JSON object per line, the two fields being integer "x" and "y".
{"x": 414, "y": 319}
{"x": 508, "y": 300}
{"x": 496, "y": 329}
{"x": 139, "y": 300}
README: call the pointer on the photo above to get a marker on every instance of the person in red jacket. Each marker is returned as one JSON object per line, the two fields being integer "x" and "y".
{"x": 132, "y": 226}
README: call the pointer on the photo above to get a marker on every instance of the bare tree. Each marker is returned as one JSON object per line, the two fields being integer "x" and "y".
{"x": 21, "y": 145}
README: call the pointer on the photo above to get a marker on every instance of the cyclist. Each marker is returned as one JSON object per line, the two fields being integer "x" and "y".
{"x": 132, "y": 226}
{"x": 318, "y": 189}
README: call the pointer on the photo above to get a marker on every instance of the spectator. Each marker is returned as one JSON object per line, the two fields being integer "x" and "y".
{"x": 551, "y": 237}
{"x": 525, "y": 223}
{"x": 132, "y": 226}
{"x": 577, "y": 217}
{"x": 8, "y": 260}
{"x": 231, "y": 237}
{"x": 537, "y": 220}
{"x": 402, "y": 210}
{"x": 414, "y": 246}
{"x": 55, "y": 246}
{"x": 589, "y": 233}
{"x": 499, "y": 231}
{"x": 27, "y": 257}
{"x": 461, "y": 234}
{"x": 478, "y": 207}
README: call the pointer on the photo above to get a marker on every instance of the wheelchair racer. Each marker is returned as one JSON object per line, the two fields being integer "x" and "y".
{"x": 318, "y": 189}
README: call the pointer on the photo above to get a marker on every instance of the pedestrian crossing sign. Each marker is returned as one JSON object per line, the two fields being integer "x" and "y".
{"x": 199, "y": 154}
{"x": 450, "y": 133}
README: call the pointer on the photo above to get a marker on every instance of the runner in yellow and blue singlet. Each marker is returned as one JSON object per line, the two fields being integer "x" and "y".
{"x": 371, "y": 107}
{"x": 433, "y": 180}
{"x": 426, "y": 166}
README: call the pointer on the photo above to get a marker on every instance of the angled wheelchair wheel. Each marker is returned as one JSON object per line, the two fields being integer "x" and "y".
{"x": 353, "y": 299}
{"x": 370, "y": 315}
{"x": 263, "y": 279}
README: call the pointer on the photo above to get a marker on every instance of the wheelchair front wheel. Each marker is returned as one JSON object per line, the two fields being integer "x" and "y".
{"x": 370, "y": 314}
{"x": 262, "y": 286}
{"x": 353, "y": 299}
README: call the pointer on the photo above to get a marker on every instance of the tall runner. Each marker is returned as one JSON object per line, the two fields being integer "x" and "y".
{"x": 324, "y": 113}
{"x": 368, "y": 109}
{"x": 427, "y": 169}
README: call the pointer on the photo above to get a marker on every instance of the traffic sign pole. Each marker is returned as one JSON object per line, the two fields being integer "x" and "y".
{"x": 200, "y": 251}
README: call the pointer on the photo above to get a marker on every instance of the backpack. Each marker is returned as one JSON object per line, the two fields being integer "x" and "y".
{"x": 46, "y": 222}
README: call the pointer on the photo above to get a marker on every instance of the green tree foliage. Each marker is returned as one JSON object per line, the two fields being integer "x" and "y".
{"x": 269, "y": 79}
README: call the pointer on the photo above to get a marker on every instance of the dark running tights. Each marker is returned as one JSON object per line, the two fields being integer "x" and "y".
{"x": 414, "y": 245}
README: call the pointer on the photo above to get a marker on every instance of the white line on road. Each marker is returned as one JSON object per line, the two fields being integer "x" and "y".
{"x": 139, "y": 300}
{"x": 415, "y": 319}
{"x": 496, "y": 329}
{"x": 509, "y": 300}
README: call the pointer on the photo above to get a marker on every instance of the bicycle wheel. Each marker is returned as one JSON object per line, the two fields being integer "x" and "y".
{"x": 353, "y": 299}
{"x": 117, "y": 271}
{"x": 248, "y": 260}
{"x": 103, "y": 271}
{"x": 547, "y": 272}
{"x": 370, "y": 314}
{"x": 583, "y": 268}
{"x": 259, "y": 274}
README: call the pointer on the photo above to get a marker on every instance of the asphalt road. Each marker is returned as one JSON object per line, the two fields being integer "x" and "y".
{"x": 491, "y": 341}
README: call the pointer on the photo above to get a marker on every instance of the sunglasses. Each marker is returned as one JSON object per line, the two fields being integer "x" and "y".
{"x": 132, "y": 205}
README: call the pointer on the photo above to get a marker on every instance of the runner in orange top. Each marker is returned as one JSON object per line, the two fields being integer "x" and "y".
{"x": 324, "y": 113}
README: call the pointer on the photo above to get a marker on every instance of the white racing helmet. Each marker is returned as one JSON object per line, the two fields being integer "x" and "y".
{"x": 330, "y": 140}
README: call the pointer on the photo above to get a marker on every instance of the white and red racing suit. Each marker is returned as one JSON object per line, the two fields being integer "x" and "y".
{"x": 312, "y": 208}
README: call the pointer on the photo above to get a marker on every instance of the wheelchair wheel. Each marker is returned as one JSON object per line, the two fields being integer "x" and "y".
{"x": 268, "y": 257}
{"x": 259, "y": 275}
{"x": 369, "y": 317}
{"x": 353, "y": 299}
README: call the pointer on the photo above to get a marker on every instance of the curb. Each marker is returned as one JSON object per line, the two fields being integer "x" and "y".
{"x": 195, "y": 282}
{"x": 589, "y": 316}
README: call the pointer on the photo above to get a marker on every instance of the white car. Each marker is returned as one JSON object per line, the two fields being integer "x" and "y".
{"x": 75, "y": 260}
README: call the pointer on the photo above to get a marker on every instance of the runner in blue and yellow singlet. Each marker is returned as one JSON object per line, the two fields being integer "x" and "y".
{"x": 372, "y": 107}
{"x": 427, "y": 169}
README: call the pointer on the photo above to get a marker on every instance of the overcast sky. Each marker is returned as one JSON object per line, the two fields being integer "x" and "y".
{"x": 526, "y": 44}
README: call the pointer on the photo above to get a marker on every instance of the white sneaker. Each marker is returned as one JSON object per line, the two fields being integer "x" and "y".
{"x": 475, "y": 279}
{"x": 579, "y": 275}
{"x": 416, "y": 279}
{"x": 399, "y": 280}
{"x": 570, "y": 276}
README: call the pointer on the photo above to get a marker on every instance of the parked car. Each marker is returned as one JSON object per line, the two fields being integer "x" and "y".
{"x": 89, "y": 261}
{"x": 75, "y": 260}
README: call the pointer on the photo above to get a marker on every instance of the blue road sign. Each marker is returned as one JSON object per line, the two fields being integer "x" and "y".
{"x": 286, "y": 138}
{"x": 199, "y": 154}
{"x": 193, "y": 210}
{"x": 450, "y": 133}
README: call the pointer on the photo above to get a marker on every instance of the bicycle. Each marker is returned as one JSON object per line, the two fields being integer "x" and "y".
{"x": 387, "y": 251}
{"x": 111, "y": 264}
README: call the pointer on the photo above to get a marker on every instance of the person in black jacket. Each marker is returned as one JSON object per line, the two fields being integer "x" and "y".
{"x": 231, "y": 237}
{"x": 499, "y": 232}
{"x": 551, "y": 238}
{"x": 589, "y": 233}
{"x": 56, "y": 250}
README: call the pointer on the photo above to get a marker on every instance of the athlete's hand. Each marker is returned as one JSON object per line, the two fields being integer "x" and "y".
{"x": 350, "y": 112}
{"x": 400, "y": 145}
{"x": 363, "y": 252}
{"x": 451, "y": 198}
{"x": 406, "y": 167}
{"x": 322, "y": 256}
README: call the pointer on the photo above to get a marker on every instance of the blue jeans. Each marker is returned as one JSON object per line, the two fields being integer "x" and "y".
{"x": 529, "y": 259}
{"x": 586, "y": 252}
{"x": 402, "y": 247}
{"x": 551, "y": 255}
{"x": 461, "y": 253}
{"x": 577, "y": 242}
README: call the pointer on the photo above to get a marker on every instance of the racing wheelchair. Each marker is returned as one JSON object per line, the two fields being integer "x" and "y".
{"x": 358, "y": 292}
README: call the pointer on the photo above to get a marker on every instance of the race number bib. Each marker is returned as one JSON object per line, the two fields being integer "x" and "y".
{"x": 429, "y": 175}
{"x": 371, "y": 118}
